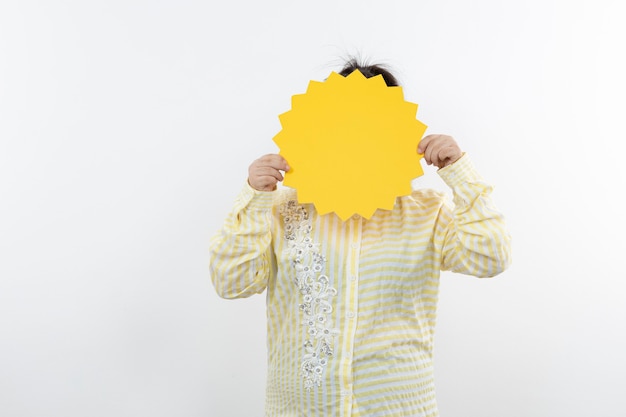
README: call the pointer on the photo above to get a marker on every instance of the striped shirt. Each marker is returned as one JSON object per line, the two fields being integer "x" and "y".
{"x": 351, "y": 305}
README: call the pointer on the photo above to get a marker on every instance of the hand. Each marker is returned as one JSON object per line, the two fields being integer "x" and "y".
{"x": 439, "y": 150}
{"x": 264, "y": 173}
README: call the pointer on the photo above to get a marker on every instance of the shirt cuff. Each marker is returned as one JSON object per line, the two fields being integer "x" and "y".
{"x": 461, "y": 171}
{"x": 256, "y": 200}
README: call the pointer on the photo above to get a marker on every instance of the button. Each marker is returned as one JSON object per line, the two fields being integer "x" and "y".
{"x": 351, "y": 314}
{"x": 356, "y": 217}
{"x": 353, "y": 278}
{"x": 346, "y": 393}
{"x": 354, "y": 245}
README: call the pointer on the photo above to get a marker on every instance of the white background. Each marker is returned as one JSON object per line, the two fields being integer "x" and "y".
{"x": 126, "y": 130}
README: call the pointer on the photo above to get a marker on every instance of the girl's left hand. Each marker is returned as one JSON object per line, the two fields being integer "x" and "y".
{"x": 439, "y": 150}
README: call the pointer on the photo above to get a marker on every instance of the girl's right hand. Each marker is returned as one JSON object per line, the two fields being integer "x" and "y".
{"x": 265, "y": 172}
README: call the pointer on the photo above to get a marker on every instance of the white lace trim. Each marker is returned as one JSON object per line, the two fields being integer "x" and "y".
{"x": 316, "y": 292}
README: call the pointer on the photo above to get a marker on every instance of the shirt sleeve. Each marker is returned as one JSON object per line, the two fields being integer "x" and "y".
{"x": 240, "y": 254}
{"x": 476, "y": 241}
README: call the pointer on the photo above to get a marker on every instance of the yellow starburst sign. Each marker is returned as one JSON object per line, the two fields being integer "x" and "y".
{"x": 351, "y": 143}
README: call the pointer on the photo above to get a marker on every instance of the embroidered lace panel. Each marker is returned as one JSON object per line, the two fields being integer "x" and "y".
{"x": 315, "y": 290}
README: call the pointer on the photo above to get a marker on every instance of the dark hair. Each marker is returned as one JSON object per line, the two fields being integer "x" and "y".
{"x": 369, "y": 70}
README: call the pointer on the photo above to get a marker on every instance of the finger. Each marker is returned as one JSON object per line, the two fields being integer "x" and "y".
{"x": 264, "y": 182}
{"x": 267, "y": 172}
{"x": 274, "y": 161}
{"x": 450, "y": 154}
{"x": 434, "y": 157}
{"x": 442, "y": 158}
{"x": 430, "y": 153}
{"x": 446, "y": 153}
{"x": 425, "y": 142}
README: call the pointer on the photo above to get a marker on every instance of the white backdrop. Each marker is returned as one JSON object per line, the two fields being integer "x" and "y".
{"x": 126, "y": 130}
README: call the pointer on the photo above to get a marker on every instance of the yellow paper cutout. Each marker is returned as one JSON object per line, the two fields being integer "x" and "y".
{"x": 351, "y": 143}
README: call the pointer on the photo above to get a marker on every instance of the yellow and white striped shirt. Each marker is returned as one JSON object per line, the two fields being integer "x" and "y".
{"x": 351, "y": 305}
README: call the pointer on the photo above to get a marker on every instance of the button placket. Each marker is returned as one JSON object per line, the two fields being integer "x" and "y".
{"x": 351, "y": 299}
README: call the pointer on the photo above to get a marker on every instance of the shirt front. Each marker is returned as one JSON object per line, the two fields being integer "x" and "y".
{"x": 351, "y": 306}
